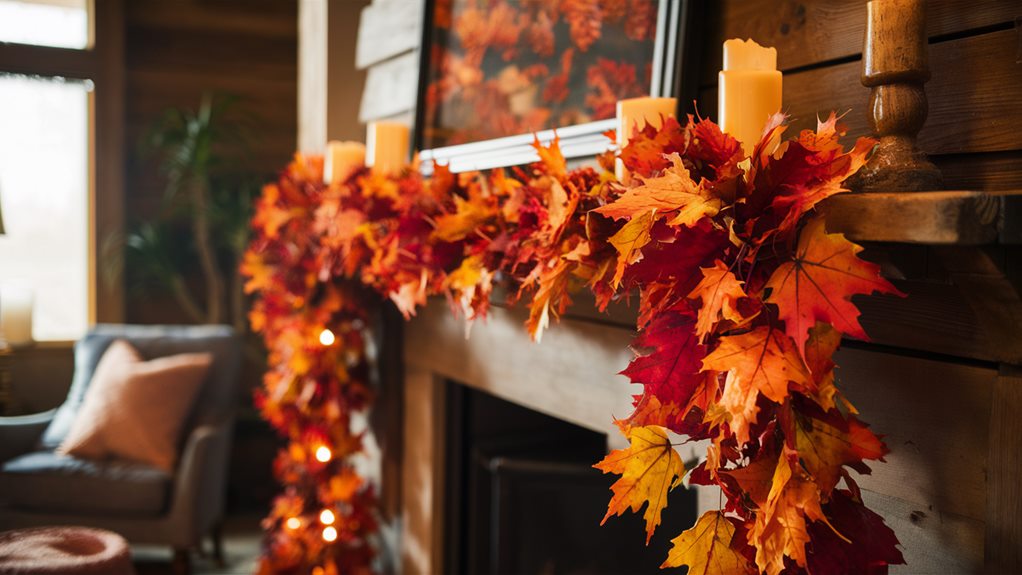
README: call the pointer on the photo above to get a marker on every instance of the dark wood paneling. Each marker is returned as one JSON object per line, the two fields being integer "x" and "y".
{"x": 975, "y": 96}
{"x": 177, "y": 50}
{"x": 808, "y": 33}
{"x": 988, "y": 172}
{"x": 1004, "y": 498}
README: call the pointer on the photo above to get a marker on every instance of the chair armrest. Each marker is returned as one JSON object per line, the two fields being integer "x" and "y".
{"x": 20, "y": 434}
{"x": 201, "y": 478}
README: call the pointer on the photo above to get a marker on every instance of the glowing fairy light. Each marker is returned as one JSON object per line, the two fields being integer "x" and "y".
{"x": 293, "y": 523}
{"x": 326, "y": 337}
{"x": 329, "y": 534}
{"x": 326, "y": 517}
{"x": 323, "y": 454}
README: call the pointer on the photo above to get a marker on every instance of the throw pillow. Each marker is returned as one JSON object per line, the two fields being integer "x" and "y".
{"x": 135, "y": 409}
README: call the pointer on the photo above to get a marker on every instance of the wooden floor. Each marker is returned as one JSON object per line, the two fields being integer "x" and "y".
{"x": 242, "y": 538}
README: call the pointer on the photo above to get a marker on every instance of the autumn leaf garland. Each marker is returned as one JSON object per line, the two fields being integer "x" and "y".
{"x": 742, "y": 301}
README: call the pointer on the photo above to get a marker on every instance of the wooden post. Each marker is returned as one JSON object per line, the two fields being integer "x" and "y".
{"x": 894, "y": 67}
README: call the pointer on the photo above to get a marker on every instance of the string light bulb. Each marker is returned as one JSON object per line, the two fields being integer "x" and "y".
{"x": 326, "y": 337}
{"x": 323, "y": 454}
{"x": 329, "y": 534}
{"x": 326, "y": 517}
{"x": 293, "y": 523}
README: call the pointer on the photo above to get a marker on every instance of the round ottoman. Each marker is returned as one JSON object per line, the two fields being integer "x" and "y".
{"x": 64, "y": 550}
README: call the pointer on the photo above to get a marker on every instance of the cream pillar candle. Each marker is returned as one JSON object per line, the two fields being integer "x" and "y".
{"x": 639, "y": 112}
{"x": 16, "y": 315}
{"x": 750, "y": 90}
{"x": 342, "y": 159}
{"x": 387, "y": 147}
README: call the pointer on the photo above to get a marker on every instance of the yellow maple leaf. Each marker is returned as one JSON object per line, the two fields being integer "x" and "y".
{"x": 629, "y": 241}
{"x": 706, "y": 548}
{"x": 649, "y": 469}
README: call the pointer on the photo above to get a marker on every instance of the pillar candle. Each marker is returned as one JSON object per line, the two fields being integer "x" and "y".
{"x": 16, "y": 315}
{"x": 387, "y": 147}
{"x": 635, "y": 113}
{"x": 750, "y": 90}
{"x": 342, "y": 159}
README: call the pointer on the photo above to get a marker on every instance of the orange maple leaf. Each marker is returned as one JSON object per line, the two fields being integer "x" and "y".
{"x": 825, "y": 446}
{"x": 673, "y": 190}
{"x": 719, "y": 291}
{"x": 820, "y": 347}
{"x": 781, "y": 528}
{"x": 551, "y": 298}
{"x": 649, "y": 469}
{"x": 469, "y": 215}
{"x": 551, "y": 157}
{"x": 629, "y": 241}
{"x": 763, "y": 360}
{"x": 756, "y": 478}
{"x": 819, "y": 282}
{"x": 706, "y": 548}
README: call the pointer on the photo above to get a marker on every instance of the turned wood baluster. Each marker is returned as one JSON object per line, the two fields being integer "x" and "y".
{"x": 894, "y": 67}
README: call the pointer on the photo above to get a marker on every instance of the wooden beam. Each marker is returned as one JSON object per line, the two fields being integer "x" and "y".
{"x": 312, "y": 75}
{"x": 933, "y": 218}
{"x": 422, "y": 525}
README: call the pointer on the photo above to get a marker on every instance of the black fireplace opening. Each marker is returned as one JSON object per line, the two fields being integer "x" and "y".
{"x": 523, "y": 498}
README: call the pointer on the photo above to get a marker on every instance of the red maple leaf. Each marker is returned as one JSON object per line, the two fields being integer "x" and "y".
{"x": 818, "y": 283}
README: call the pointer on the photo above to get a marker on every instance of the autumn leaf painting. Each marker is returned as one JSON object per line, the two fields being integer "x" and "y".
{"x": 506, "y": 67}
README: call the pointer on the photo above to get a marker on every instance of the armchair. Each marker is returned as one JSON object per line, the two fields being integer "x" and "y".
{"x": 142, "y": 503}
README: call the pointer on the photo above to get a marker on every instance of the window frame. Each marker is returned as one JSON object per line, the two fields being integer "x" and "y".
{"x": 102, "y": 62}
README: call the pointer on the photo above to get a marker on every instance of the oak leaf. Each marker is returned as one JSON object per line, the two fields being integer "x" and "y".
{"x": 706, "y": 548}
{"x": 649, "y": 469}
{"x": 818, "y": 283}
{"x": 719, "y": 291}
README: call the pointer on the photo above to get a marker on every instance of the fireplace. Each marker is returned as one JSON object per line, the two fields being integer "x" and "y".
{"x": 522, "y": 496}
{"x": 496, "y": 470}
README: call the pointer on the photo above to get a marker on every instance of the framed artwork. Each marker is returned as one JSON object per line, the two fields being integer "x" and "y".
{"x": 495, "y": 72}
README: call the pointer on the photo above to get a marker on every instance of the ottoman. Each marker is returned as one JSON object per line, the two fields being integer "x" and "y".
{"x": 64, "y": 550}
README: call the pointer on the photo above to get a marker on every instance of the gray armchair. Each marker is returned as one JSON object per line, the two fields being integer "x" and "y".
{"x": 142, "y": 503}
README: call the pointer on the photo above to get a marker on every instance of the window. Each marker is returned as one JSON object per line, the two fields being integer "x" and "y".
{"x": 60, "y": 160}
{"x": 44, "y": 189}
{"x": 56, "y": 23}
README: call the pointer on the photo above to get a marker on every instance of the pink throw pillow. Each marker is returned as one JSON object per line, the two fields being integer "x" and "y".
{"x": 134, "y": 409}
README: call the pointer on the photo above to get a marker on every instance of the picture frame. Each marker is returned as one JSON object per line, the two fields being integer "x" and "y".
{"x": 671, "y": 72}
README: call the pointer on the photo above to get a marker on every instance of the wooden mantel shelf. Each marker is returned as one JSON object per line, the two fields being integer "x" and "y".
{"x": 935, "y": 218}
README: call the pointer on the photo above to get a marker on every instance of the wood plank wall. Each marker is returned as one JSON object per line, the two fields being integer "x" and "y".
{"x": 975, "y": 93}
{"x": 177, "y": 49}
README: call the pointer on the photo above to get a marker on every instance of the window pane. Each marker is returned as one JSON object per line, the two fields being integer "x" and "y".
{"x": 44, "y": 185}
{"x": 58, "y": 23}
